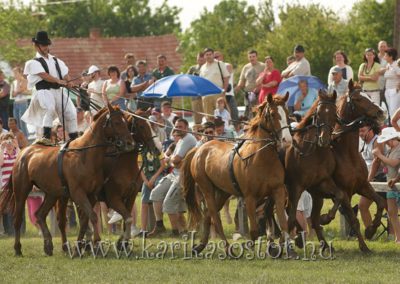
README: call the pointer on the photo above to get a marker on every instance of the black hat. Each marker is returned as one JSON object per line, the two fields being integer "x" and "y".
{"x": 298, "y": 48}
{"x": 41, "y": 38}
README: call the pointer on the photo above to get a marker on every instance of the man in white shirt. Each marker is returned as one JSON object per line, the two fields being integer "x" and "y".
{"x": 48, "y": 75}
{"x": 216, "y": 72}
{"x": 300, "y": 67}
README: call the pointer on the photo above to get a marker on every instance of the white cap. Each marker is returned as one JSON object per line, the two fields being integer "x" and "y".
{"x": 93, "y": 69}
{"x": 388, "y": 133}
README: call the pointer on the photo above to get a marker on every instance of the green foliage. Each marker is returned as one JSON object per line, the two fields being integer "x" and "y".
{"x": 114, "y": 17}
{"x": 316, "y": 28}
{"x": 235, "y": 27}
{"x": 16, "y": 24}
{"x": 232, "y": 27}
{"x": 369, "y": 22}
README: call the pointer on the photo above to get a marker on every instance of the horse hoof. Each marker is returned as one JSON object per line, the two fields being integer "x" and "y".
{"x": 198, "y": 249}
{"x": 365, "y": 250}
{"x": 18, "y": 254}
{"x": 325, "y": 219}
{"x": 48, "y": 247}
{"x": 64, "y": 248}
{"x": 370, "y": 232}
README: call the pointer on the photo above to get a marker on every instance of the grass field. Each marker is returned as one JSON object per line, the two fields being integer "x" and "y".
{"x": 349, "y": 265}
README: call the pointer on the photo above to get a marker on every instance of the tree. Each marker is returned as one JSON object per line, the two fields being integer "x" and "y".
{"x": 316, "y": 28}
{"x": 113, "y": 17}
{"x": 232, "y": 27}
{"x": 17, "y": 24}
{"x": 369, "y": 22}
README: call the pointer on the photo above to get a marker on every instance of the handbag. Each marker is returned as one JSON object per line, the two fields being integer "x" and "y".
{"x": 229, "y": 88}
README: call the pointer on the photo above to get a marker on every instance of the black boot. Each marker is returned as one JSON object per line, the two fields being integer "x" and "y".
{"x": 73, "y": 135}
{"x": 46, "y": 139}
{"x": 47, "y": 132}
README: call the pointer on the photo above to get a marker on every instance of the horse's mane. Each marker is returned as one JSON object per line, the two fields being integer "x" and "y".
{"x": 254, "y": 122}
{"x": 307, "y": 117}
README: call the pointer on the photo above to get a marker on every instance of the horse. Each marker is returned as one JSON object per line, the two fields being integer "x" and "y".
{"x": 122, "y": 183}
{"x": 217, "y": 178}
{"x": 351, "y": 173}
{"x": 81, "y": 169}
{"x": 309, "y": 161}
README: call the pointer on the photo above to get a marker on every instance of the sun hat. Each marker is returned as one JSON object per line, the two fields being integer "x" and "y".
{"x": 93, "y": 69}
{"x": 388, "y": 133}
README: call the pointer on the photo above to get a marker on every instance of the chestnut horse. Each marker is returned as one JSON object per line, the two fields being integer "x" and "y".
{"x": 351, "y": 173}
{"x": 255, "y": 168}
{"x": 122, "y": 180}
{"x": 309, "y": 161}
{"x": 82, "y": 169}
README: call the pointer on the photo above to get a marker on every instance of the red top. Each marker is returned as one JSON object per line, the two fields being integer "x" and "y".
{"x": 274, "y": 75}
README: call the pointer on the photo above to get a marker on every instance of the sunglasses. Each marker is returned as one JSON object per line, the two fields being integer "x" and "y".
{"x": 209, "y": 132}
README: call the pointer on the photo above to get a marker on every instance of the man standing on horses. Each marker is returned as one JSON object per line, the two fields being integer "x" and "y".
{"x": 48, "y": 74}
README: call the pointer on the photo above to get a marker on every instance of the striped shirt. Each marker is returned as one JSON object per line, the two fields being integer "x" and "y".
{"x": 7, "y": 166}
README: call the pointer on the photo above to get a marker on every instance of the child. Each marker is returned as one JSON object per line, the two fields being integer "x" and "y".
{"x": 222, "y": 112}
{"x": 8, "y": 154}
{"x": 390, "y": 137}
{"x": 153, "y": 167}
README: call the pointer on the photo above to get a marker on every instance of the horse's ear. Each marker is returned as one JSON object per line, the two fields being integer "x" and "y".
{"x": 269, "y": 98}
{"x": 148, "y": 112}
{"x": 286, "y": 97}
{"x": 351, "y": 86}
{"x": 334, "y": 95}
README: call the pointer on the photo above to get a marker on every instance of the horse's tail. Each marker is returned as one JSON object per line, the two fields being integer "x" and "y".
{"x": 189, "y": 189}
{"x": 7, "y": 198}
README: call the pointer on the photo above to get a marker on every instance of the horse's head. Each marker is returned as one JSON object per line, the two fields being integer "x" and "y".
{"x": 325, "y": 117}
{"x": 114, "y": 127}
{"x": 284, "y": 120}
{"x": 141, "y": 130}
{"x": 356, "y": 105}
{"x": 272, "y": 118}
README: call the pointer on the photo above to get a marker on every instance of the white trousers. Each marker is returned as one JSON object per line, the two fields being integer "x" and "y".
{"x": 393, "y": 101}
{"x": 46, "y": 106}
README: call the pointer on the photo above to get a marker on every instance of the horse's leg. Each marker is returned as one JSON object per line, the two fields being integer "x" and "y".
{"x": 62, "y": 221}
{"x": 96, "y": 233}
{"x": 41, "y": 214}
{"x": 354, "y": 223}
{"x": 317, "y": 203}
{"x": 368, "y": 192}
{"x": 21, "y": 193}
{"x": 250, "y": 202}
{"x": 215, "y": 199}
{"x": 83, "y": 203}
{"x": 279, "y": 196}
{"x": 295, "y": 191}
{"x": 116, "y": 203}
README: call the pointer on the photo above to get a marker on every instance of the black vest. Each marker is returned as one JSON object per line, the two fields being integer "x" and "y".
{"x": 44, "y": 85}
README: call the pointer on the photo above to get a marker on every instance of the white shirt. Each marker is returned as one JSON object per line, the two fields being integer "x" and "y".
{"x": 33, "y": 68}
{"x": 211, "y": 72}
{"x": 392, "y": 76}
{"x": 96, "y": 97}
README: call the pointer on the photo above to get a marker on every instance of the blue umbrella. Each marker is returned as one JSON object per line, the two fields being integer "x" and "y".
{"x": 291, "y": 85}
{"x": 182, "y": 85}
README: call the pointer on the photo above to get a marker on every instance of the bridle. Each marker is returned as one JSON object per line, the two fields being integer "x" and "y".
{"x": 275, "y": 133}
{"x": 319, "y": 126}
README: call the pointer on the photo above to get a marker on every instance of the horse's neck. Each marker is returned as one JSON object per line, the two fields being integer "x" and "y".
{"x": 349, "y": 142}
{"x": 94, "y": 136}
